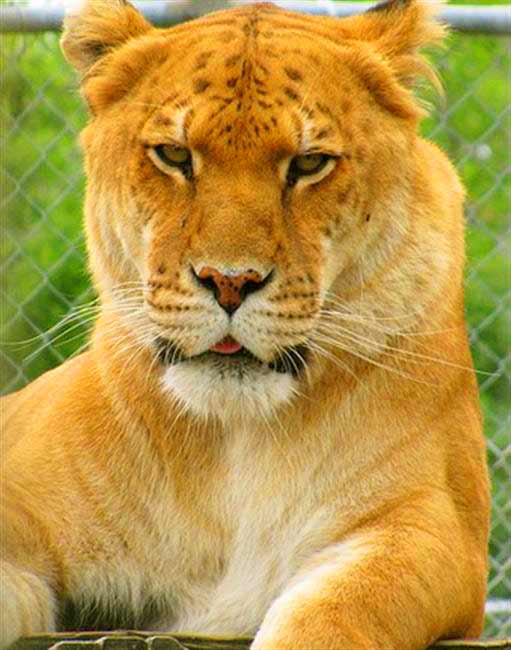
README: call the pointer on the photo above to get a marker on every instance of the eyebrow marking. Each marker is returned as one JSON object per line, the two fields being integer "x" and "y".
{"x": 180, "y": 124}
{"x": 307, "y": 128}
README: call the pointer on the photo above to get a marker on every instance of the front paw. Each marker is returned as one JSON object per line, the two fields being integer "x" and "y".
{"x": 311, "y": 632}
{"x": 26, "y": 604}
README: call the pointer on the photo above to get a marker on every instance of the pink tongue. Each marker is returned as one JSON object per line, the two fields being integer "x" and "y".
{"x": 227, "y": 346}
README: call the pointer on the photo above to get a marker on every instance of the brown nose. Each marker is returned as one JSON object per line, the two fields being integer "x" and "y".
{"x": 230, "y": 290}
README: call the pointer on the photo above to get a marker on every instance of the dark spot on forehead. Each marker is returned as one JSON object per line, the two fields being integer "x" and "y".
{"x": 232, "y": 82}
{"x": 200, "y": 85}
{"x": 232, "y": 60}
{"x": 264, "y": 105}
{"x": 322, "y": 108}
{"x": 221, "y": 98}
{"x": 262, "y": 68}
{"x": 202, "y": 59}
{"x": 293, "y": 74}
{"x": 292, "y": 94}
{"x": 246, "y": 69}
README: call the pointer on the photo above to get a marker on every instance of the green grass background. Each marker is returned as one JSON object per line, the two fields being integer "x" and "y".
{"x": 42, "y": 249}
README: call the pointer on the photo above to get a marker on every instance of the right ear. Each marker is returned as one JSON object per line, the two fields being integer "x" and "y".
{"x": 97, "y": 28}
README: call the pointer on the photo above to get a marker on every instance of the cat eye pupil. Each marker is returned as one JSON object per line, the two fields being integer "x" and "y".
{"x": 309, "y": 163}
{"x": 176, "y": 157}
{"x": 306, "y": 165}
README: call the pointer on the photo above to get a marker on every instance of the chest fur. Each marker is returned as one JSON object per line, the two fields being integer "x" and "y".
{"x": 212, "y": 568}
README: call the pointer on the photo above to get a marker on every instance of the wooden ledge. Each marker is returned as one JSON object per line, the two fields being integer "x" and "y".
{"x": 130, "y": 640}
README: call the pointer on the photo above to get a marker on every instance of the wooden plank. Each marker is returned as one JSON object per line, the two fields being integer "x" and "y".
{"x": 130, "y": 640}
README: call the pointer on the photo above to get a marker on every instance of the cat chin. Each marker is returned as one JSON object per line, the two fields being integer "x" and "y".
{"x": 228, "y": 389}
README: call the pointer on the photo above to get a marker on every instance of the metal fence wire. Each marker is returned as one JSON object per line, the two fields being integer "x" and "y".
{"x": 43, "y": 259}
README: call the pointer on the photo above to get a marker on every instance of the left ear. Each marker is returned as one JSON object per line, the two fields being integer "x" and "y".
{"x": 99, "y": 27}
{"x": 398, "y": 29}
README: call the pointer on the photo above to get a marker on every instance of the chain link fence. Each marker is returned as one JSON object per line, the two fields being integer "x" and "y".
{"x": 42, "y": 262}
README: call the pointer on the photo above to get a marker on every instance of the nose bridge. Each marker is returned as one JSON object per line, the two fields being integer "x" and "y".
{"x": 235, "y": 228}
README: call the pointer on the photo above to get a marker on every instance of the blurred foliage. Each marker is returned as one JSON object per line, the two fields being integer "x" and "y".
{"x": 42, "y": 248}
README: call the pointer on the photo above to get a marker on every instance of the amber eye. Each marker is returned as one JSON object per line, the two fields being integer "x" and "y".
{"x": 306, "y": 165}
{"x": 173, "y": 156}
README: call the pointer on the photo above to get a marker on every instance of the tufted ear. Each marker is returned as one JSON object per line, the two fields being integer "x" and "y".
{"x": 98, "y": 27}
{"x": 398, "y": 29}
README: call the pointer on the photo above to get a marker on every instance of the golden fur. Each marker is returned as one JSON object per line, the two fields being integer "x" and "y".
{"x": 342, "y": 505}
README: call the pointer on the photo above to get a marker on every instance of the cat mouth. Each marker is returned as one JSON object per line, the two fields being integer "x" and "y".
{"x": 227, "y": 345}
{"x": 229, "y": 352}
